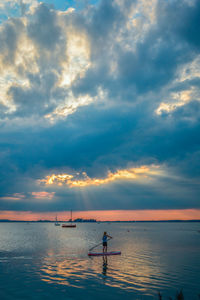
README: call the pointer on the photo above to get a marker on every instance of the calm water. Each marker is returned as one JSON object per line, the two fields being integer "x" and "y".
{"x": 43, "y": 261}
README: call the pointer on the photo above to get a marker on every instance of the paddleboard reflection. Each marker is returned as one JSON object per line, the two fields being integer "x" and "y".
{"x": 105, "y": 266}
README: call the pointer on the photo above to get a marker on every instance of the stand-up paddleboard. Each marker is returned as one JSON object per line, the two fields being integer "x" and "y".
{"x": 104, "y": 253}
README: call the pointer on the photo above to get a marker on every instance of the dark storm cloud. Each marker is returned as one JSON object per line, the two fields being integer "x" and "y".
{"x": 35, "y": 100}
{"x": 44, "y": 29}
{"x": 181, "y": 19}
{"x": 42, "y": 66}
{"x": 156, "y": 57}
{"x": 101, "y": 32}
{"x": 120, "y": 132}
{"x": 9, "y": 36}
{"x": 165, "y": 194}
{"x": 93, "y": 151}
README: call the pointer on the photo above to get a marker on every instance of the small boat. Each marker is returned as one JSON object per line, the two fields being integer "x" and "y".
{"x": 104, "y": 253}
{"x": 56, "y": 222}
{"x": 69, "y": 225}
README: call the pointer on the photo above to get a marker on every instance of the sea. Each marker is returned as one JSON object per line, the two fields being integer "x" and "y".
{"x": 44, "y": 261}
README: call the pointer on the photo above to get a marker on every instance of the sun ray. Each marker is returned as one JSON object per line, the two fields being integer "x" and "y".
{"x": 83, "y": 180}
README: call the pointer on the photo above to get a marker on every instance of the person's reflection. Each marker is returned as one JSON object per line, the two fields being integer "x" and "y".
{"x": 104, "y": 266}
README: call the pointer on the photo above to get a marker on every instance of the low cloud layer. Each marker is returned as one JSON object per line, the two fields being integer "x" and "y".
{"x": 99, "y": 89}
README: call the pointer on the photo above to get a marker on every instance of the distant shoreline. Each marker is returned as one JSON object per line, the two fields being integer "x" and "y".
{"x": 94, "y": 221}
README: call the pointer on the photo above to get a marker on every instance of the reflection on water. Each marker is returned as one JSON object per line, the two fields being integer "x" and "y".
{"x": 105, "y": 266}
{"x": 155, "y": 257}
{"x": 65, "y": 272}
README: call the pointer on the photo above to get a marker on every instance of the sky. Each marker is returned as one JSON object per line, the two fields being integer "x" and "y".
{"x": 100, "y": 109}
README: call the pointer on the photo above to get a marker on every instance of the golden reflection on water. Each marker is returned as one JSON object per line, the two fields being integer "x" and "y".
{"x": 63, "y": 271}
{"x": 134, "y": 271}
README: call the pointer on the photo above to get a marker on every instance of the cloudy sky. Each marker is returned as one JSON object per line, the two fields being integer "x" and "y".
{"x": 100, "y": 108}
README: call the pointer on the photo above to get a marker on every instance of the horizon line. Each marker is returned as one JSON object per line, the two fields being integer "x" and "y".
{"x": 101, "y": 221}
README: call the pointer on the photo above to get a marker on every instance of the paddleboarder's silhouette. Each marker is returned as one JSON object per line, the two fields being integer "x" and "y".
{"x": 104, "y": 240}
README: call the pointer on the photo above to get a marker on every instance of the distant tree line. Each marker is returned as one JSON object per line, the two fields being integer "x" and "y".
{"x": 84, "y": 220}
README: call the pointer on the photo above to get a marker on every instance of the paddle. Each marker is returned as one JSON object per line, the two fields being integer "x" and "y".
{"x": 98, "y": 245}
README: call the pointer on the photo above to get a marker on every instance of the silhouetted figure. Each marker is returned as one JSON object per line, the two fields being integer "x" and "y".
{"x": 104, "y": 240}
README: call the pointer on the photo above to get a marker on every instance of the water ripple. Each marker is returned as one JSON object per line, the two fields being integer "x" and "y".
{"x": 153, "y": 259}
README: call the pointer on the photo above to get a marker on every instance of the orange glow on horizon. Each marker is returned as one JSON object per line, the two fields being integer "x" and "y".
{"x": 106, "y": 215}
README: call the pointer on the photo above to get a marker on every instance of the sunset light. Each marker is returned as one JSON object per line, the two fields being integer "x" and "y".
{"x": 99, "y": 149}
{"x": 142, "y": 172}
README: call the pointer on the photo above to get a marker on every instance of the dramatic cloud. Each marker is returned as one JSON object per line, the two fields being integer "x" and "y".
{"x": 93, "y": 96}
{"x": 76, "y": 181}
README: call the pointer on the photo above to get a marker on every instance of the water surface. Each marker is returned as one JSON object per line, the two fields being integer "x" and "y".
{"x": 43, "y": 261}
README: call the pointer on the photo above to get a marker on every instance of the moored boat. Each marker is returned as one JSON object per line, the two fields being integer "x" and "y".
{"x": 56, "y": 222}
{"x": 69, "y": 225}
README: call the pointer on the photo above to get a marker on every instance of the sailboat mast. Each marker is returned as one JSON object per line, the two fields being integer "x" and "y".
{"x": 69, "y": 225}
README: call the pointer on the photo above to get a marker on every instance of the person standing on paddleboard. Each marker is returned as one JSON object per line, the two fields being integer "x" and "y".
{"x": 104, "y": 240}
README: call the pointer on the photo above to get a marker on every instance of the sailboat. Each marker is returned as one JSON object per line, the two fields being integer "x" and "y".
{"x": 69, "y": 225}
{"x": 56, "y": 222}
